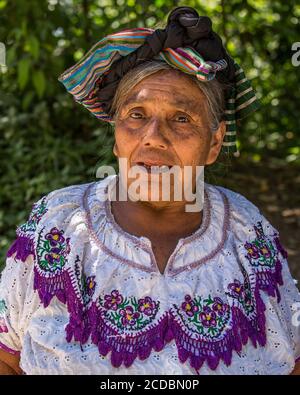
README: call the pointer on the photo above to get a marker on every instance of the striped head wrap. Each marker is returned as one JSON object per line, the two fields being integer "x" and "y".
{"x": 187, "y": 43}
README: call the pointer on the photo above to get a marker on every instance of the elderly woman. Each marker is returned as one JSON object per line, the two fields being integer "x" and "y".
{"x": 101, "y": 285}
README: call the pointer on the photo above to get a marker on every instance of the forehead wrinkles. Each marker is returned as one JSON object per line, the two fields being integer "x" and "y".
{"x": 172, "y": 98}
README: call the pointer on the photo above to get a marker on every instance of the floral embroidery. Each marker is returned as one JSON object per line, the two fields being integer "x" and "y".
{"x": 88, "y": 288}
{"x": 55, "y": 237}
{"x": 263, "y": 255}
{"x": 129, "y": 316}
{"x": 90, "y": 285}
{"x": 189, "y": 307}
{"x": 211, "y": 329}
{"x": 206, "y": 317}
{"x": 129, "y": 313}
{"x": 3, "y": 309}
{"x": 204, "y": 328}
{"x": 52, "y": 250}
{"x": 113, "y": 301}
{"x": 147, "y": 306}
{"x": 86, "y": 284}
{"x": 219, "y": 306}
{"x": 242, "y": 293}
{"x": 261, "y": 251}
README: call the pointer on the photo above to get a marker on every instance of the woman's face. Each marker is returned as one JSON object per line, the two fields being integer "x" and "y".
{"x": 163, "y": 120}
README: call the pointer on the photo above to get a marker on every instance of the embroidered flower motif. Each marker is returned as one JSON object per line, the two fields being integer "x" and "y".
{"x": 221, "y": 328}
{"x": 253, "y": 251}
{"x": 261, "y": 251}
{"x": 54, "y": 256}
{"x": 242, "y": 293}
{"x": 86, "y": 284}
{"x": 113, "y": 300}
{"x": 236, "y": 289}
{"x": 146, "y": 305}
{"x": 265, "y": 251}
{"x": 90, "y": 285}
{"x": 129, "y": 316}
{"x": 263, "y": 256}
{"x": 52, "y": 250}
{"x": 204, "y": 329}
{"x": 55, "y": 237}
{"x": 208, "y": 317}
{"x": 219, "y": 306}
{"x": 189, "y": 306}
{"x": 3, "y": 309}
{"x": 127, "y": 312}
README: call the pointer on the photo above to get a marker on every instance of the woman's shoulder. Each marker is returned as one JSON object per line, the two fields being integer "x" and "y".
{"x": 237, "y": 201}
{"x": 61, "y": 203}
{"x": 243, "y": 213}
{"x": 69, "y": 196}
{"x": 57, "y": 211}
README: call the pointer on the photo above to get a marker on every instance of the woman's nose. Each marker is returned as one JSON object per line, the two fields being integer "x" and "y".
{"x": 155, "y": 135}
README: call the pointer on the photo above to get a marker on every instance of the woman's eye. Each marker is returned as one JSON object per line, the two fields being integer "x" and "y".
{"x": 183, "y": 116}
{"x": 136, "y": 113}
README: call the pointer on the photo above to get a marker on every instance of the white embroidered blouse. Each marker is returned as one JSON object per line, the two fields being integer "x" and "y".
{"x": 79, "y": 295}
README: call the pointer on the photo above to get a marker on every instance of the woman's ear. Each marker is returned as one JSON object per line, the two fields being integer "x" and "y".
{"x": 216, "y": 143}
{"x": 115, "y": 150}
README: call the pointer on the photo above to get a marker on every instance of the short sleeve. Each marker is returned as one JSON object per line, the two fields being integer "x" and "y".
{"x": 15, "y": 304}
{"x": 17, "y": 299}
{"x": 282, "y": 311}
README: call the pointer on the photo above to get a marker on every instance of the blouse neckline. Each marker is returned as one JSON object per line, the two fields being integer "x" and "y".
{"x": 145, "y": 241}
{"x": 178, "y": 261}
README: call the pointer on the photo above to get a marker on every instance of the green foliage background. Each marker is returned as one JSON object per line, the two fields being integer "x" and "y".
{"x": 47, "y": 141}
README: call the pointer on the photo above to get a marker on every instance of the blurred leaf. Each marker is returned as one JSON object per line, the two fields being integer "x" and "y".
{"x": 27, "y": 99}
{"x": 34, "y": 46}
{"x": 39, "y": 82}
{"x": 23, "y": 72}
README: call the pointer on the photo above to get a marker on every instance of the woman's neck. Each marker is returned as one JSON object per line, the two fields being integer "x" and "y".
{"x": 146, "y": 218}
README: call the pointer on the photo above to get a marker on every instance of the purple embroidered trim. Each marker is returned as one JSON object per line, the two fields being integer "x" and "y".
{"x": 125, "y": 348}
{"x": 23, "y": 246}
{"x": 247, "y": 313}
{"x": 51, "y": 286}
{"x": 297, "y": 359}
{"x": 64, "y": 286}
{"x": 24, "y": 243}
{"x": 200, "y": 350}
{"x": 269, "y": 281}
{"x": 9, "y": 350}
{"x": 263, "y": 256}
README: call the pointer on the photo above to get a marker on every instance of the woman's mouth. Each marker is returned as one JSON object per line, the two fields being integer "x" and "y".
{"x": 154, "y": 168}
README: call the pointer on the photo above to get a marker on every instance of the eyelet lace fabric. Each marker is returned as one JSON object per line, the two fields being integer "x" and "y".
{"x": 79, "y": 295}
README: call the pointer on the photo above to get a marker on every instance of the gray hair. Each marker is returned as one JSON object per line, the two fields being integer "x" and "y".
{"x": 213, "y": 90}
